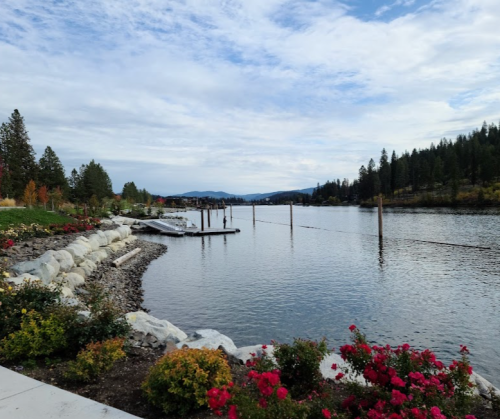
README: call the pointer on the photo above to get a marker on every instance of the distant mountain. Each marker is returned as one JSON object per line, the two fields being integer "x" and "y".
{"x": 247, "y": 197}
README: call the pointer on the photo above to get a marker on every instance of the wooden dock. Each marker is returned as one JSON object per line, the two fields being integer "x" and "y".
{"x": 210, "y": 231}
{"x": 169, "y": 230}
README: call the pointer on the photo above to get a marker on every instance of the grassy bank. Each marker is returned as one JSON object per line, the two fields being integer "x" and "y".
{"x": 15, "y": 217}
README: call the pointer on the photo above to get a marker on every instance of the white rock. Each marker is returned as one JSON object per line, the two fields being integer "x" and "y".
{"x": 72, "y": 280}
{"x": 46, "y": 267}
{"x": 483, "y": 386}
{"x": 64, "y": 258}
{"x": 326, "y": 369}
{"x": 162, "y": 329}
{"x": 66, "y": 292}
{"x": 98, "y": 256}
{"x": 88, "y": 266}
{"x": 210, "y": 339}
{"x": 130, "y": 239}
{"x": 108, "y": 250}
{"x": 112, "y": 236}
{"x": 244, "y": 353}
{"x": 100, "y": 237}
{"x": 124, "y": 220}
{"x": 78, "y": 252}
{"x": 123, "y": 231}
{"x": 23, "y": 278}
{"x": 94, "y": 242}
{"x": 116, "y": 246}
{"x": 85, "y": 243}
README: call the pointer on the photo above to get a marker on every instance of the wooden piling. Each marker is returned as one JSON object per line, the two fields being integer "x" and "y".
{"x": 380, "y": 221}
{"x": 231, "y": 211}
{"x": 253, "y": 205}
{"x": 291, "y": 214}
{"x": 208, "y": 219}
{"x": 202, "y": 221}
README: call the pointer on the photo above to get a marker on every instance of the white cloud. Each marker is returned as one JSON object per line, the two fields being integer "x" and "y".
{"x": 244, "y": 96}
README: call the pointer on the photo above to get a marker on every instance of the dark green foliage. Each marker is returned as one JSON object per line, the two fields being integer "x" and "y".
{"x": 105, "y": 321}
{"x": 18, "y": 156}
{"x": 299, "y": 365}
{"x": 91, "y": 180}
{"x": 51, "y": 172}
{"x": 31, "y": 296}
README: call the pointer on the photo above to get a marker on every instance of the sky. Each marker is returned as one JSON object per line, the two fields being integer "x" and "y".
{"x": 245, "y": 96}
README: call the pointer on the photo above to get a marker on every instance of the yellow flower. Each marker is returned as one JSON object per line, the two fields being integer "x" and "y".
{"x": 2, "y": 290}
{"x": 5, "y": 274}
{"x": 23, "y": 311}
{"x": 10, "y": 288}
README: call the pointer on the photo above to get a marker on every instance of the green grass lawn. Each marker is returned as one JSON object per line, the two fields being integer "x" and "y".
{"x": 15, "y": 217}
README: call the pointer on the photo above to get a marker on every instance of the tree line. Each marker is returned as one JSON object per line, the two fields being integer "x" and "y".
{"x": 20, "y": 172}
{"x": 472, "y": 159}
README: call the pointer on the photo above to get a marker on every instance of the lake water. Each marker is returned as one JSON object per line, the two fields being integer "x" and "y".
{"x": 331, "y": 271}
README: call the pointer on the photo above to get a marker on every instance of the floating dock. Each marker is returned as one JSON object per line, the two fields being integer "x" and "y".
{"x": 171, "y": 230}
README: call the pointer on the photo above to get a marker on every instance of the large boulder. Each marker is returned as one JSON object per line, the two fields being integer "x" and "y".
{"x": 123, "y": 231}
{"x": 23, "y": 278}
{"x": 46, "y": 267}
{"x": 112, "y": 236}
{"x": 94, "y": 242}
{"x": 210, "y": 339}
{"x": 83, "y": 241}
{"x": 98, "y": 256}
{"x": 116, "y": 246}
{"x": 78, "y": 251}
{"x": 162, "y": 329}
{"x": 71, "y": 280}
{"x": 88, "y": 266}
{"x": 64, "y": 258}
{"x": 124, "y": 221}
{"x": 100, "y": 237}
{"x": 79, "y": 271}
{"x": 245, "y": 353}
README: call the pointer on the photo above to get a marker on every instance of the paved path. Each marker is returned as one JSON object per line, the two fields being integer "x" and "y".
{"x": 22, "y": 397}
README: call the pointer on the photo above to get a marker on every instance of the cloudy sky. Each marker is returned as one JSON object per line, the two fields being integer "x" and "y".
{"x": 245, "y": 96}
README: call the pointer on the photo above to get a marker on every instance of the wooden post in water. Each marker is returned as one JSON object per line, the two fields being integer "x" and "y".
{"x": 291, "y": 214}
{"x": 380, "y": 221}
{"x": 208, "y": 212}
{"x": 253, "y": 213}
{"x": 231, "y": 211}
{"x": 202, "y": 221}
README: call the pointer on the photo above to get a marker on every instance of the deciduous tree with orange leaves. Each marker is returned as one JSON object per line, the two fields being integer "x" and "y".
{"x": 43, "y": 197}
{"x": 30, "y": 195}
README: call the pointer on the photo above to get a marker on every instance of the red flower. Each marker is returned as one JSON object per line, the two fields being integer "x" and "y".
{"x": 334, "y": 367}
{"x": 398, "y": 398}
{"x": 264, "y": 346}
{"x": 326, "y": 414}
{"x": 232, "y": 412}
{"x": 281, "y": 393}
{"x": 352, "y": 327}
{"x": 339, "y": 376}
{"x": 263, "y": 403}
{"x": 396, "y": 381}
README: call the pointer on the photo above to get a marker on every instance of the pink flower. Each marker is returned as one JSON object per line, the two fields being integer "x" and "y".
{"x": 470, "y": 417}
{"x": 263, "y": 403}
{"x": 339, "y": 376}
{"x": 396, "y": 381}
{"x": 328, "y": 415}
{"x": 232, "y": 412}
{"x": 281, "y": 393}
{"x": 398, "y": 398}
{"x": 352, "y": 327}
{"x": 436, "y": 413}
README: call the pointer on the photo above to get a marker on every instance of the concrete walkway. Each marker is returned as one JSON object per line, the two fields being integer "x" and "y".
{"x": 22, "y": 397}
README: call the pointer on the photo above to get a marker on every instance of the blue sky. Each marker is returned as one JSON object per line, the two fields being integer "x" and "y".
{"x": 245, "y": 96}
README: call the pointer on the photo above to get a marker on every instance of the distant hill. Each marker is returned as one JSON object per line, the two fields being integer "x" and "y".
{"x": 247, "y": 197}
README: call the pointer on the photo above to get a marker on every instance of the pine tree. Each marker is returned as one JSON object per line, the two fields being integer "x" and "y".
{"x": 18, "y": 154}
{"x": 51, "y": 173}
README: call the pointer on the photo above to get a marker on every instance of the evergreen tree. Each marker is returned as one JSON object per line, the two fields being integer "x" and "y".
{"x": 95, "y": 181}
{"x": 18, "y": 155}
{"x": 385, "y": 173}
{"x": 51, "y": 172}
{"x": 130, "y": 192}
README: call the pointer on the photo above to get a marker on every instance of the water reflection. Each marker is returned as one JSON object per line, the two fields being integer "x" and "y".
{"x": 274, "y": 282}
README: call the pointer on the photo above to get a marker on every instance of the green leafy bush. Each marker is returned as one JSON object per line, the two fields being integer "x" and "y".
{"x": 105, "y": 321}
{"x": 37, "y": 336}
{"x": 27, "y": 297}
{"x": 95, "y": 359}
{"x": 180, "y": 380}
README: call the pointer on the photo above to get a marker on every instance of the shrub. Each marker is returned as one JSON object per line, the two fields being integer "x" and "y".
{"x": 37, "y": 336}
{"x": 29, "y": 296}
{"x": 180, "y": 380}
{"x": 105, "y": 320}
{"x": 8, "y": 202}
{"x": 299, "y": 364}
{"x": 95, "y": 359}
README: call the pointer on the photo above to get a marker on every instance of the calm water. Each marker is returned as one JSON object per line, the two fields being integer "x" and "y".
{"x": 269, "y": 282}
